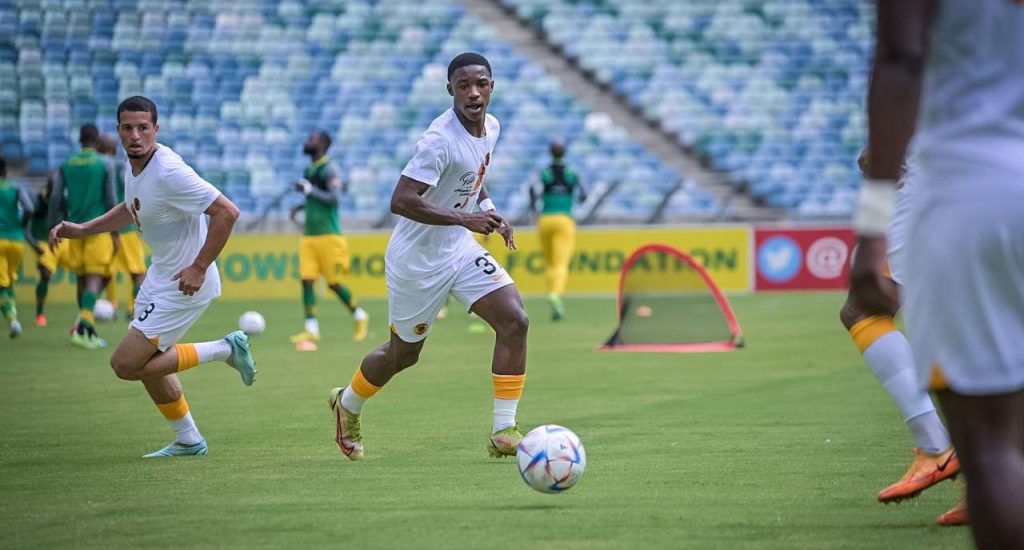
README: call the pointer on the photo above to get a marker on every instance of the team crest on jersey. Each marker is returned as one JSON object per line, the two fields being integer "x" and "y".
{"x": 420, "y": 329}
{"x": 471, "y": 182}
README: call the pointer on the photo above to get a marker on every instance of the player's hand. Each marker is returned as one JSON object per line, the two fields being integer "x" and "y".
{"x": 65, "y": 230}
{"x": 484, "y": 223}
{"x": 871, "y": 290}
{"x": 303, "y": 186}
{"x": 190, "y": 279}
{"x": 505, "y": 230}
{"x": 116, "y": 238}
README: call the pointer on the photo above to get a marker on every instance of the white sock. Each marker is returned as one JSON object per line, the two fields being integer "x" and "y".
{"x": 359, "y": 314}
{"x": 352, "y": 401}
{"x": 929, "y": 433}
{"x": 218, "y": 350}
{"x": 892, "y": 360}
{"x": 313, "y": 326}
{"x": 504, "y": 414}
{"x": 186, "y": 429}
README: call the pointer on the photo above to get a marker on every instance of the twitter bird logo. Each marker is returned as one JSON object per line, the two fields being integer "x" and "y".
{"x": 779, "y": 259}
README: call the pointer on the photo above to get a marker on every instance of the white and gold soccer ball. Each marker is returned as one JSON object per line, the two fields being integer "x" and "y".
{"x": 252, "y": 323}
{"x": 103, "y": 310}
{"x": 551, "y": 458}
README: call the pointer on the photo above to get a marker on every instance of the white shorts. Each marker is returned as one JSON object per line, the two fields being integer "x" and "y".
{"x": 964, "y": 293}
{"x": 898, "y": 228}
{"x": 413, "y": 304}
{"x": 164, "y": 326}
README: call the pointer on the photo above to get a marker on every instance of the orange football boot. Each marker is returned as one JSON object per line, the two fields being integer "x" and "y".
{"x": 956, "y": 516}
{"x": 926, "y": 470}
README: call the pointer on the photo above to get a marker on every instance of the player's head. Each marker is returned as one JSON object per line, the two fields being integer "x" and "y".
{"x": 137, "y": 127}
{"x": 557, "y": 150}
{"x": 107, "y": 145}
{"x": 470, "y": 83}
{"x": 89, "y": 135}
{"x": 317, "y": 144}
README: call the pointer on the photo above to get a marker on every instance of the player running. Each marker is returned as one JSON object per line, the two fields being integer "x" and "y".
{"x": 888, "y": 354}
{"x": 15, "y": 207}
{"x": 46, "y": 260}
{"x": 86, "y": 183}
{"x": 169, "y": 203}
{"x": 560, "y": 185}
{"x": 441, "y": 198}
{"x": 955, "y": 69}
{"x": 323, "y": 251}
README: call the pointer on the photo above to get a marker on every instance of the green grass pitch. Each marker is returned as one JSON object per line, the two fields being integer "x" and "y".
{"x": 783, "y": 444}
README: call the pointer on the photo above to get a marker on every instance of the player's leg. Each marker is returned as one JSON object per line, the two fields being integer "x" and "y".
{"x": 546, "y": 229}
{"x": 336, "y": 261}
{"x": 97, "y": 254}
{"x": 46, "y": 265}
{"x": 309, "y": 272}
{"x": 10, "y": 259}
{"x": 889, "y": 356}
{"x": 563, "y": 240}
{"x": 135, "y": 358}
{"x": 989, "y": 436}
{"x": 167, "y": 395}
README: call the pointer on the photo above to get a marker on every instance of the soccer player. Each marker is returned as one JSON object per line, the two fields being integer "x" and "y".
{"x": 130, "y": 257}
{"x": 46, "y": 259}
{"x": 12, "y": 199}
{"x": 441, "y": 198}
{"x": 168, "y": 202}
{"x": 560, "y": 185}
{"x": 888, "y": 354}
{"x": 955, "y": 68}
{"x": 323, "y": 251}
{"x": 87, "y": 179}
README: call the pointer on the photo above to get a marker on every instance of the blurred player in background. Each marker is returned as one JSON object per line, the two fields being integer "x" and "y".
{"x": 130, "y": 258}
{"x": 323, "y": 251}
{"x": 85, "y": 182}
{"x": 169, "y": 203}
{"x": 441, "y": 198}
{"x": 888, "y": 355}
{"x": 15, "y": 208}
{"x": 955, "y": 69}
{"x": 559, "y": 187}
{"x": 46, "y": 259}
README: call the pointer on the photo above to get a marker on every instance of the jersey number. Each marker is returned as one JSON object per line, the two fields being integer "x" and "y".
{"x": 145, "y": 314}
{"x": 482, "y": 261}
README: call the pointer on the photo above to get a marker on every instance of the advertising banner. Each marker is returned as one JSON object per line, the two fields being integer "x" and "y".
{"x": 267, "y": 266}
{"x": 813, "y": 258}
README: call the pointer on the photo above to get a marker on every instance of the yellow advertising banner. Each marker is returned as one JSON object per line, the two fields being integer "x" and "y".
{"x": 267, "y": 266}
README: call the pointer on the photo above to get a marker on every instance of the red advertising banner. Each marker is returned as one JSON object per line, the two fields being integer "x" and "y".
{"x": 798, "y": 258}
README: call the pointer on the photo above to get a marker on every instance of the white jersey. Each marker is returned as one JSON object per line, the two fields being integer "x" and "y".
{"x": 168, "y": 201}
{"x": 453, "y": 163}
{"x": 971, "y": 123}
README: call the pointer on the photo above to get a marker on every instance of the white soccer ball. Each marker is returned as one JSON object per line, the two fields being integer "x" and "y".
{"x": 103, "y": 310}
{"x": 551, "y": 458}
{"x": 252, "y": 323}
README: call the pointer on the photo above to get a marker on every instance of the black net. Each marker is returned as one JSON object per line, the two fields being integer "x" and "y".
{"x": 664, "y": 301}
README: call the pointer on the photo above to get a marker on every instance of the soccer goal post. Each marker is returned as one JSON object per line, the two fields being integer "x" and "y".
{"x": 668, "y": 302}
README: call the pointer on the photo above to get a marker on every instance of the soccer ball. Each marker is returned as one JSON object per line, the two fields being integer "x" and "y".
{"x": 551, "y": 458}
{"x": 252, "y": 323}
{"x": 103, "y": 310}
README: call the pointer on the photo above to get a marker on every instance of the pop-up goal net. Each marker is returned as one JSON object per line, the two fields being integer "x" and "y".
{"x": 668, "y": 302}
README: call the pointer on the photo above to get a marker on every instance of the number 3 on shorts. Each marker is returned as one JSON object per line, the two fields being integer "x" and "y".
{"x": 145, "y": 313}
{"x": 482, "y": 261}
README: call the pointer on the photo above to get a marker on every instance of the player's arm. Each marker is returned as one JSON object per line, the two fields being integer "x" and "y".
{"x": 407, "y": 201}
{"x": 893, "y": 99}
{"x": 114, "y": 219}
{"x": 223, "y": 215}
{"x": 28, "y": 209}
{"x": 330, "y": 196}
{"x": 581, "y": 193}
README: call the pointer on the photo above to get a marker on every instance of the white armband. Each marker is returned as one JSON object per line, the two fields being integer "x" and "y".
{"x": 487, "y": 205}
{"x": 875, "y": 205}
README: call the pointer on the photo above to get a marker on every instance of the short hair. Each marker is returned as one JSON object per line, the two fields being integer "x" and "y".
{"x": 137, "y": 104}
{"x": 466, "y": 59}
{"x": 324, "y": 136}
{"x": 88, "y": 134}
{"x": 557, "y": 149}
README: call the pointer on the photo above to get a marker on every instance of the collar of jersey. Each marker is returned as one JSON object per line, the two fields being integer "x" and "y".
{"x": 323, "y": 160}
